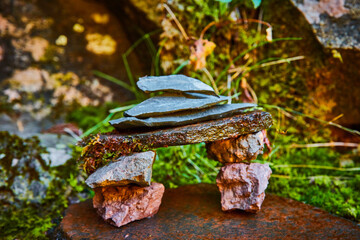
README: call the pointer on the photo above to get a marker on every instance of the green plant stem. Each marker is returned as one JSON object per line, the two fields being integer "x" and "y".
{"x": 308, "y": 166}
{"x": 316, "y": 166}
{"x": 309, "y": 177}
{"x": 126, "y": 63}
{"x": 182, "y": 65}
{"x": 130, "y": 76}
{"x": 121, "y": 109}
{"x": 283, "y": 60}
{"x": 113, "y": 79}
{"x": 97, "y": 126}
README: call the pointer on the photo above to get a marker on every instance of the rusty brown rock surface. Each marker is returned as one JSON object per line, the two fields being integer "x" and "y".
{"x": 194, "y": 212}
{"x": 242, "y": 149}
{"x": 121, "y": 205}
{"x": 242, "y": 186}
{"x": 123, "y": 143}
{"x": 208, "y": 131}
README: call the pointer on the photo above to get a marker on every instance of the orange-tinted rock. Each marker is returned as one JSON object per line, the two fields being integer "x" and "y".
{"x": 242, "y": 149}
{"x": 242, "y": 186}
{"x": 121, "y": 205}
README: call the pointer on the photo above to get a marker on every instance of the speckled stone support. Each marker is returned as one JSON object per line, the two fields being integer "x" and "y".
{"x": 122, "y": 205}
{"x": 242, "y": 186}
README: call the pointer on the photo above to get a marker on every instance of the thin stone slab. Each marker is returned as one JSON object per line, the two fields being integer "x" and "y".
{"x": 182, "y": 118}
{"x": 165, "y": 104}
{"x": 173, "y": 83}
{"x": 194, "y": 212}
{"x": 135, "y": 168}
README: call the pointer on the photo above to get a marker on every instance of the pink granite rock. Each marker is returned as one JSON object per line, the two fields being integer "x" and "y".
{"x": 121, "y": 205}
{"x": 242, "y": 186}
{"x": 242, "y": 149}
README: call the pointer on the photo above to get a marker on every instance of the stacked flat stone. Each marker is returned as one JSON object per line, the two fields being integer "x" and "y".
{"x": 187, "y": 112}
{"x": 185, "y": 100}
{"x": 123, "y": 189}
{"x": 242, "y": 184}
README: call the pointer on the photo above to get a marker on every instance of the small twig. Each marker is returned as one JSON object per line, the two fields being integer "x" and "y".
{"x": 337, "y": 117}
{"x": 229, "y": 79}
{"x": 20, "y": 125}
{"x": 73, "y": 134}
{"x": 330, "y": 144}
{"x": 286, "y": 60}
{"x": 310, "y": 177}
{"x": 239, "y": 70}
{"x": 260, "y": 18}
{"x": 252, "y": 92}
{"x": 211, "y": 80}
{"x": 316, "y": 166}
{"x": 206, "y": 28}
{"x": 182, "y": 30}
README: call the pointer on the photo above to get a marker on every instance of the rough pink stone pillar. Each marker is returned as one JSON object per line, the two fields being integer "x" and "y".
{"x": 121, "y": 205}
{"x": 243, "y": 185}
{"x": 242, "y": 149}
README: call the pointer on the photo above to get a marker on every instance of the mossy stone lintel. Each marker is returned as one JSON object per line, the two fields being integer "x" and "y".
{"x": 209, "y": 131}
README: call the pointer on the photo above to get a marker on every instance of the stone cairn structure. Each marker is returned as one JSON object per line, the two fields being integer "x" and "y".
{"x": 187, "y": 112}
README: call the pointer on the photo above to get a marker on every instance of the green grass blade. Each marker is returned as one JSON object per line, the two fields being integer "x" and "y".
{"x": 316, "y": 166}
{"x": 223, "y": 72}
{"x": 113, "y": 79}
{"x": 182, "y": 65}
{"x": 355, "y": 132}
{"x": 121, "y": 109}
{"x": 97, "y": 126}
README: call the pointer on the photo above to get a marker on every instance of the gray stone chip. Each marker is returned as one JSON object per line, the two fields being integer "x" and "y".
{"x": 182, "y": 118}
{"x": 135, "y": 168}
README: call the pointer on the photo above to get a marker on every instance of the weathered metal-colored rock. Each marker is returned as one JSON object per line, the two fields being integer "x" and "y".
{"x": 183, "y": 117}
{"x": 242, "y": 149}
{"x": 121, "y": 205}
{"x": 242, "y": 186}
{"x": 135, "y": 168}
{"x": 174, "y": 83}
{"x": 193, "y": 212}
{"x": 166, "y": 104}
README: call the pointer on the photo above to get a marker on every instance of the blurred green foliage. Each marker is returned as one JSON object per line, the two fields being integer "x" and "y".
{"x": 27, "y": 218}
{"x": 328, "y": 188}
{"x": 180, "y": 165}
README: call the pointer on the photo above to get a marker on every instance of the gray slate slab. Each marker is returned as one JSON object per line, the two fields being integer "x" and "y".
{"x": 183, "y": 117}
{"x": 135, "y": 168}
{"x": 164, "y": 105}
{"x": 174, "y": 83}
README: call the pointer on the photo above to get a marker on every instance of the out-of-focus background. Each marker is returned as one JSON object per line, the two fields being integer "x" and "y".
{"x": 67, "y": 67}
